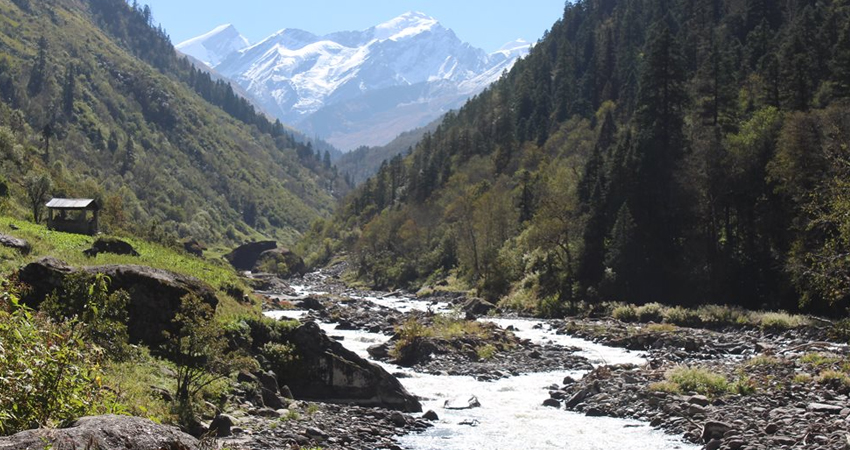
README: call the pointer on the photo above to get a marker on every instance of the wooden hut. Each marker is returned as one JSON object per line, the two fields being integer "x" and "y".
{"x": 73, "y": 215}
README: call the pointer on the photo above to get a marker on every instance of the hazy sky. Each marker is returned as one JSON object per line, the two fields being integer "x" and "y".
{"x": 487, "y": 24}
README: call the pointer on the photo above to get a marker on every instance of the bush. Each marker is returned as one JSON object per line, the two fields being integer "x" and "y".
{"x": 723, "y": 315}
{"x": 699, "y": 380}
{"x": 48, "y": 373}
{"x": 85, "y": 298}
{"x": 625, "y": 313}
{"x": 781, "y": 321}
{"x": 486, "y": 352}
{"x": 650, "y": 312}
{"x": 280, "y": 358}
{"x": 683, "y": 317}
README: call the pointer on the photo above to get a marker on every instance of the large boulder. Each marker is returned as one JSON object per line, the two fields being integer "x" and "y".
{"x": 329, "y": 372}
{"x": 111, "y": 245}
{"x": 280, "y": 261}
{"x": 477, "y": 307}
{"x": 245, "y": 256}
{"x": 154, "y": 293}
{"x": 193, "y": 247}
{"x": 15, "y": 243}
{"x": 104, "y": 433}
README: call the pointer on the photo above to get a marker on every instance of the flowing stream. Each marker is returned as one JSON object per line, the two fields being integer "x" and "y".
{"x": 511, "y": 415}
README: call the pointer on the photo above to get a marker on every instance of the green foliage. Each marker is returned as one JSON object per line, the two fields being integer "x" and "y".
{"x": 280, "y": 357}
{"x": 69, "y": 247}
{"x": 625, "y": 313}
{"x": 699, "y": 380}
{"x": 486, "y": 352}
{"x": 48, "y": 372}
{"x": 85, "y": 299}
{"x": 197, "y": 347}
{"x": 38, "y": 186}
{"x": 680, "y": 153}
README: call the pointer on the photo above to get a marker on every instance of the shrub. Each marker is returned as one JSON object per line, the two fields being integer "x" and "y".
{"x": 744, "y": 385}
{"x": 198, "y": 349}
{"x": 819, "y": 359}
{"x": 650, "y": 312}
{"x": 85, "y": 298}
{"x": 762, "y": 361}
{"x": 682, "y": 316}
{"x": 834, "y": 378}
{"x": 665, "y": 386}
{"x": 699, "y": 380}
{"x": 625, "y": 313}
{"x": 486, "y": 352}
{"x": 48, "y": 373}
{"x": 780, "y": 321}
{"x": 661, "y": 327}
{"x": 281, "y": 357}
{"x": 802, "y": 378}
{"x": 723, "y": 315}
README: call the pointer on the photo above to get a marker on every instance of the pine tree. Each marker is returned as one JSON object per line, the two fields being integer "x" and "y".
{"x": 38, "y": 75}
{"x": 129, "y": 156}
{"x": 659, "y": 146}
{"x": 68, "y": 90}
{"x": 112, "y": 144}
{"x": 622, "y": 257}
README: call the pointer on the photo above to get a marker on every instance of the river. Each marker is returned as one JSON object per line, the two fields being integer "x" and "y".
{"x": 511, "y": 415}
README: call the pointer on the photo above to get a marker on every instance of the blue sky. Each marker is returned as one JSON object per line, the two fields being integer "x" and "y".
{"x": 487, "y": 24}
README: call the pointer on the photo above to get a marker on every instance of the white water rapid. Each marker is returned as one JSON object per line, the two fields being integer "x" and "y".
{"x": 511, "y": 415}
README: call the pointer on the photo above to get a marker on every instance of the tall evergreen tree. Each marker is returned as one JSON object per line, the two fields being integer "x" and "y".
{"x": 38, "y": 74}
{"x": 659, "y": 146}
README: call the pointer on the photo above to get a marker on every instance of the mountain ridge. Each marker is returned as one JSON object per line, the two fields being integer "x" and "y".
{"x": 296, "y": 75}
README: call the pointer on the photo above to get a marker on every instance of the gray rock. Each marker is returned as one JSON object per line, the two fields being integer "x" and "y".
{"x": 430, "y": 415}
{"x": 462, "y": 403}
{"x": 104, "y": 433}
{"x": 315, "y": 433}
{"x": 700, "y": 400}
{"x": 328, "y": 372}
{"x": 155, "y": 294}
{"x": 379, "y": 351}
{"x": 245, "y": 256}
{"x": 551, "y": 402}
{"x": 18, "y": 244}
{"x": 477, "y": 307}
{"x": 714, "y": 430}
{"x": 221, "y": 425}
{"x": 824, "y": 408}
{"x": 111, "y": 245}
{"x": 398, "y": 419}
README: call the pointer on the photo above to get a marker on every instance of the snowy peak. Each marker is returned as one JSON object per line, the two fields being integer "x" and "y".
{"x": 357, "y": 87}
{"x": 213, "y": 47}
{"x": 405, "y": 25}
{"x": 515, "y": 46}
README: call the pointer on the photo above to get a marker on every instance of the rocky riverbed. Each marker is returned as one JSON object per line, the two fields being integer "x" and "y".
{"x": 785, "y": 388}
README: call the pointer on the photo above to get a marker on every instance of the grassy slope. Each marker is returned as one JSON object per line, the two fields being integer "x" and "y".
{"x": 69, "y": 248}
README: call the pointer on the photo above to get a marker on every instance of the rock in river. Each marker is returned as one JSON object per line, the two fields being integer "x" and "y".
{"x": 331, "y": 373}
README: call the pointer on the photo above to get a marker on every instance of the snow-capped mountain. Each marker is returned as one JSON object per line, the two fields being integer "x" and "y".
{"x": 357, "y": 87}
{"x": 211, "y": 48}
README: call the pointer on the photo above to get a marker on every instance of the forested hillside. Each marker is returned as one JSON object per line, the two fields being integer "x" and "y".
{"x": 679, "y": 151}
{"x": 95, "y": 102}
{"x": 363, "y": 162}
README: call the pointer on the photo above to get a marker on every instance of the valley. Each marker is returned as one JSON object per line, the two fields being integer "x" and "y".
{"x": 631, "y": 234}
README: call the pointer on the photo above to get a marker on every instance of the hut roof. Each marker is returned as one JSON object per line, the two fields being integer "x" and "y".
{"x": 72, "y": 203}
